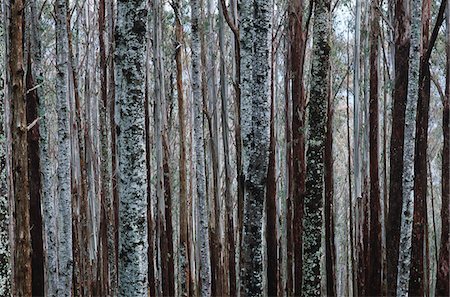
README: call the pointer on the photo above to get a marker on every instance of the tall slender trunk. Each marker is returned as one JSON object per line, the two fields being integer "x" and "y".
{"x": 330, "y": 249}
{"x": 404, "y": 260}
{"x": 230, "y": 245}
{"x": 271, "y": 192}
{"x": 297, "y": 58}
{"x": 443, "y": 275}
{"x": 184, "y": 256}
{"x": 205, "y": 267}
{"x": 416, "y": 281}
{"x": 64, "y": 158}
{"x": 402, "y": 44}
{"x": 21, "y": 225}
{"x": 255, "y": 118}
{"x": 33, "y": 79}
{"x": 320, "y": 89}
{"x": 130, "y": 58}
{"x": 375, "y": 248}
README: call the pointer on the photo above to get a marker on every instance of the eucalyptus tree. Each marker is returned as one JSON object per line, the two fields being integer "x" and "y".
{"x": 404, "y": 259}
{"x": 255, "y": 120}
{"x": 313, "y": 203}
{"x": 132, "y": 174}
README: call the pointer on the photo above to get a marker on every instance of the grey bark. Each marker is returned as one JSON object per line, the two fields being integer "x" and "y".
{"x": 132, "y": 174}
{"x": 404, "y": 261}
{"x": 65, "y": 259}
{"x": 205, "y": 267}
{"x": 313, "y": 207}
{"x": 255, "y": 118}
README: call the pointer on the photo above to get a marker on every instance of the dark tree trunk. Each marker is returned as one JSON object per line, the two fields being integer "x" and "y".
{"x": 297, "y": 38}
{"x": 22, "y": 272}
{"x": 402, "y": 42}
{"x": 443, "y": 268}
{"x": 34, "y": 178}
{"x": 374, "y": 245}
{"x": 330, "y": 252}
{"x": 271, "y": 196}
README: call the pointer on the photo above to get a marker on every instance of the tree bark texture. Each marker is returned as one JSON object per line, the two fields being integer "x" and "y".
{"x": 313, "y": 204}
{"x": 255, "y": 117}
{"x": 132, "y": 174}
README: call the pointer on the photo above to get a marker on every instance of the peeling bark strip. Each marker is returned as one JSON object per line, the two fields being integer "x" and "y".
{"x": 255, "y": 117}
{"x": 313, "y": 204}
{"x": 404, "y": 260}
{"x": 132, "y": 174}
{"x": 202, "y": 202}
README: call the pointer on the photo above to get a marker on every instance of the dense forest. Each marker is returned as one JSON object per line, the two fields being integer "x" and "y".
{"x": 224, "y": 148}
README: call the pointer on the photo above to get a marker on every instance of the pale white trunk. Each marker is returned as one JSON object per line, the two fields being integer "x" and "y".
{"x": 202, "y": 203}
{"x": 64, "y": 203}
{"x": 404, "y": 261}
{"x": 132, "y": 173}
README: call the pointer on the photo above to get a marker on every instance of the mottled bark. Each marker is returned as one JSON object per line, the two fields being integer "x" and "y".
{"x": 404, "y": 260}
{"x": 374, "y": 253}
{"x": 20, "y": 199}
{"x": 313, "y": 204}
{"x": 130, "y": 62}
{"x": 202, "y": 203}
{"x": 64, "y": 203}
{"x": 402, "y": 44}
{"x": 255, "y": 117}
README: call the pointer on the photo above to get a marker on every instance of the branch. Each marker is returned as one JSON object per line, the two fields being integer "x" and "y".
{"x": 434, "y": 35}
{"x": 229, "y": 21}
{"x": 30, "y": 126}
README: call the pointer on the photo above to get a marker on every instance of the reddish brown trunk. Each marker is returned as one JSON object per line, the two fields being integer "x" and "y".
{"x": 443, "y": 275}
{"x": 168, "y": 259}
{"x": 184, "y": 214}
{"x": 297, "y": 55}
{"x": 374, "y": 244}
{"x": 34, "y": 177}
{"x": 402, "y": 42}
{"x": 330, "y": 255}
{"x": 21, "y": 220}
{"x": 416, "y": 283}
{"x": 271, "y": 206}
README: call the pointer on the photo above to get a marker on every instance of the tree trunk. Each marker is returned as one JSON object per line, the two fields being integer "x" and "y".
{"x": 202, "y": 203}
{"x": 320, "y": 89}
{"x": 374, "y": 273}
{"x": 443, "y": 265}
{"x": 416, "y": 282}
{"x": 255, "y": 117}
{"x": 230, "y": 245}
{"x": 184, "y": 261}
{"x": 21, "y": 225}
{"x": 130, "y": 58}
{"x": 33, "y": 78}
{"x": 297, "y": 58}
{"x": 402, "y": 44}
{"x": 64, "y": 203}
{"x": 271, "y": 193}
{"x": 404, "y": 260}
{"x": 330, "y": 250}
